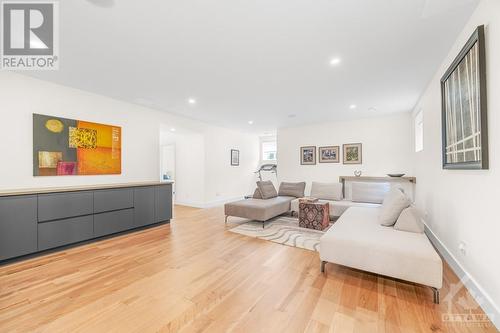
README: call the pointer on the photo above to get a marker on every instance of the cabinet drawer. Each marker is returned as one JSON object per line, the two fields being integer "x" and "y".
{"x": 18, "y": 226}
{"x": 115, "y": 199}
{"x": 63, "y": 205}
{"x": 144, "y": 206}
{"x": 163, "y": 202}
{"x": 63, "y": 232}
{"x": 111, "y": 222}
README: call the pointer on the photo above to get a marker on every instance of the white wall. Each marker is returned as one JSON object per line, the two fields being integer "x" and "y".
{"x": 21, "y": 96}
{"x": 224, "y": 182}
{"x": 386, "y": 148}
{"x": 463, "y": 205}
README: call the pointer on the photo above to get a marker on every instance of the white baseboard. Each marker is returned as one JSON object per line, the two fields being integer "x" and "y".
{"x": 477, "y": 292}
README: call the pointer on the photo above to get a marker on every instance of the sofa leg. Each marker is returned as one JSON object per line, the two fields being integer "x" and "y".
{"x": 263, "y": 223}
{"x": 291, "y": 213}
{"x": 323, "y": 264}
{"x": 436, "y": 295}
{"x": 225, "y": 219}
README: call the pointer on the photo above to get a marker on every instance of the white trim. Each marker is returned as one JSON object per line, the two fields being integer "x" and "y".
{"x": 477, "y": 292}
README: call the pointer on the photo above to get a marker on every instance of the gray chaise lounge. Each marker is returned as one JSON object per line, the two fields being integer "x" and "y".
{"x": 266, "y": 202}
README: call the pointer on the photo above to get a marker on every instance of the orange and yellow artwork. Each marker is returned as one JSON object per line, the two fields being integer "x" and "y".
{"x": 73, "y": 147}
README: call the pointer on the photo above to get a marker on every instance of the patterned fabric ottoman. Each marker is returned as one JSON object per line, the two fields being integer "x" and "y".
{"x": 314, "y": 215}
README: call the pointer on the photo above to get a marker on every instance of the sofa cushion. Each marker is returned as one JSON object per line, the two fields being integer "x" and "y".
{"x": 256, "y": 194}
{"x": 369, "y": 192}
{"x": 258, "y": 209}
{"x": 394, "y": 203}
{"x": 326, "y": 191}
{"x": 292, "y": 189}
{"x": 267, "y": 190}
{"x": 410, "y": 220}
{"x": 357, "y": 240}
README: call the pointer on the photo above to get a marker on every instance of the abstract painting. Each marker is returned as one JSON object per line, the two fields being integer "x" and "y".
{"x": 308, "y": 155}
{"x": 329, "y": 154}
{"x": 464, "y": 115}
{"x": 63, "y": 147}
{"x": 353, "y": 153}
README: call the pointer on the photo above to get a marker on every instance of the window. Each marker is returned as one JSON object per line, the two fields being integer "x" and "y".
{"x": 419, "y": 131}
{"x": 268, "y": 149}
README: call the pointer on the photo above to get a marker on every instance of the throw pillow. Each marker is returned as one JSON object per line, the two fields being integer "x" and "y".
{"x": 410, "y": 221}
{"x": 392, "y": 206}
{"x": 256, "y": 194}
{"x": 292, "y": 189}
{"x": 326, "y": 191}
{"x": 267, "y": 189}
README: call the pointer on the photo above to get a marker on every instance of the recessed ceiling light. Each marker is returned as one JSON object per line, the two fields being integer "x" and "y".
{"x": 334, "y": 61}
{"x": 352, "y": 106}
{"x": 172, "y": 129}
{"x": 292, "y": 115}
{"x": 250, "y": 122}
{"x": 192, "y": 101}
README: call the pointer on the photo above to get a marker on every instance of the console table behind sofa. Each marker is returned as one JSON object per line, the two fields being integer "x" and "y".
{"x": 40, "y": 219}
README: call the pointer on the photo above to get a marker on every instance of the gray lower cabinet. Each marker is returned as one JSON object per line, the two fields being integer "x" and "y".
{"x": 63, "y": 232}
{"x": 62, "y": 205}
{"x": 42, "y": 221}
{"x": 163, "y": 202}
{"x": 18, "y": 226}
{"x": 112, "y": 222}
{"x": 144, "y": 206}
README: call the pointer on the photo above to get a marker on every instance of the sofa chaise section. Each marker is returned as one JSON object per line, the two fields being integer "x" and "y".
{"x": 258, "y": 209}
{"x": 357, "y": 240}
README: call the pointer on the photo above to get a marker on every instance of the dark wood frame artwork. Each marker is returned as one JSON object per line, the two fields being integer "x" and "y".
{"x": 477, "y": 36}
{"x": 301, "y": 155}
{"x": 238, "y": 163}
{"x": 360, "y": 153}
{"x": 329, "y": 147}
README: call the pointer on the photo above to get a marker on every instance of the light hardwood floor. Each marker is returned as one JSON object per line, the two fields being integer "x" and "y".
{"x": 194, "y": 276}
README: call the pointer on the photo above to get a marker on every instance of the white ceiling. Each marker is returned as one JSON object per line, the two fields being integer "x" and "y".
{"x": 260, "y": 60}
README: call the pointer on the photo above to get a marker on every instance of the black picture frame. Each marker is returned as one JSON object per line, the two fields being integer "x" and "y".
{"x": 477, "y": 38}
{"x": 235, "y": 157}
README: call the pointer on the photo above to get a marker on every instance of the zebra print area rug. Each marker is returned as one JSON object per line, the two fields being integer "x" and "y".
{"x": 283, "y": 230}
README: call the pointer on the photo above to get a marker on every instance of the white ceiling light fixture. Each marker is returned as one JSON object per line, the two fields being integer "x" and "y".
{"x": 192, "y": 101}
{"x": 250, "y": 122}
{"x": 352, "y": 106}
{"x": 172, "y": 129}
{"x": 335, "y": 61}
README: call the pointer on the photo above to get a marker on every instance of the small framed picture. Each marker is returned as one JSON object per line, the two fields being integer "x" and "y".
{"x": 353, "y": 153}
{"x": 329, "y": 154}
{"x": 235, "y": 157}
{"x": 308, "y": 155}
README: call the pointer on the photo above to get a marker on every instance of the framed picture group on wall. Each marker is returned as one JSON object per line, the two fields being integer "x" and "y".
{"x": 352, "y": 154}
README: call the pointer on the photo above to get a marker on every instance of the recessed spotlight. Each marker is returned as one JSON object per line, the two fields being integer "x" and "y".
{"x": 250, "y": 122}
{"x": 352, "y": 106}
{"x": 292, "y": 115}
{"x": 192, "y": 101}
{"x": 334, "y": 61}
{"x": 172, "y": 129}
